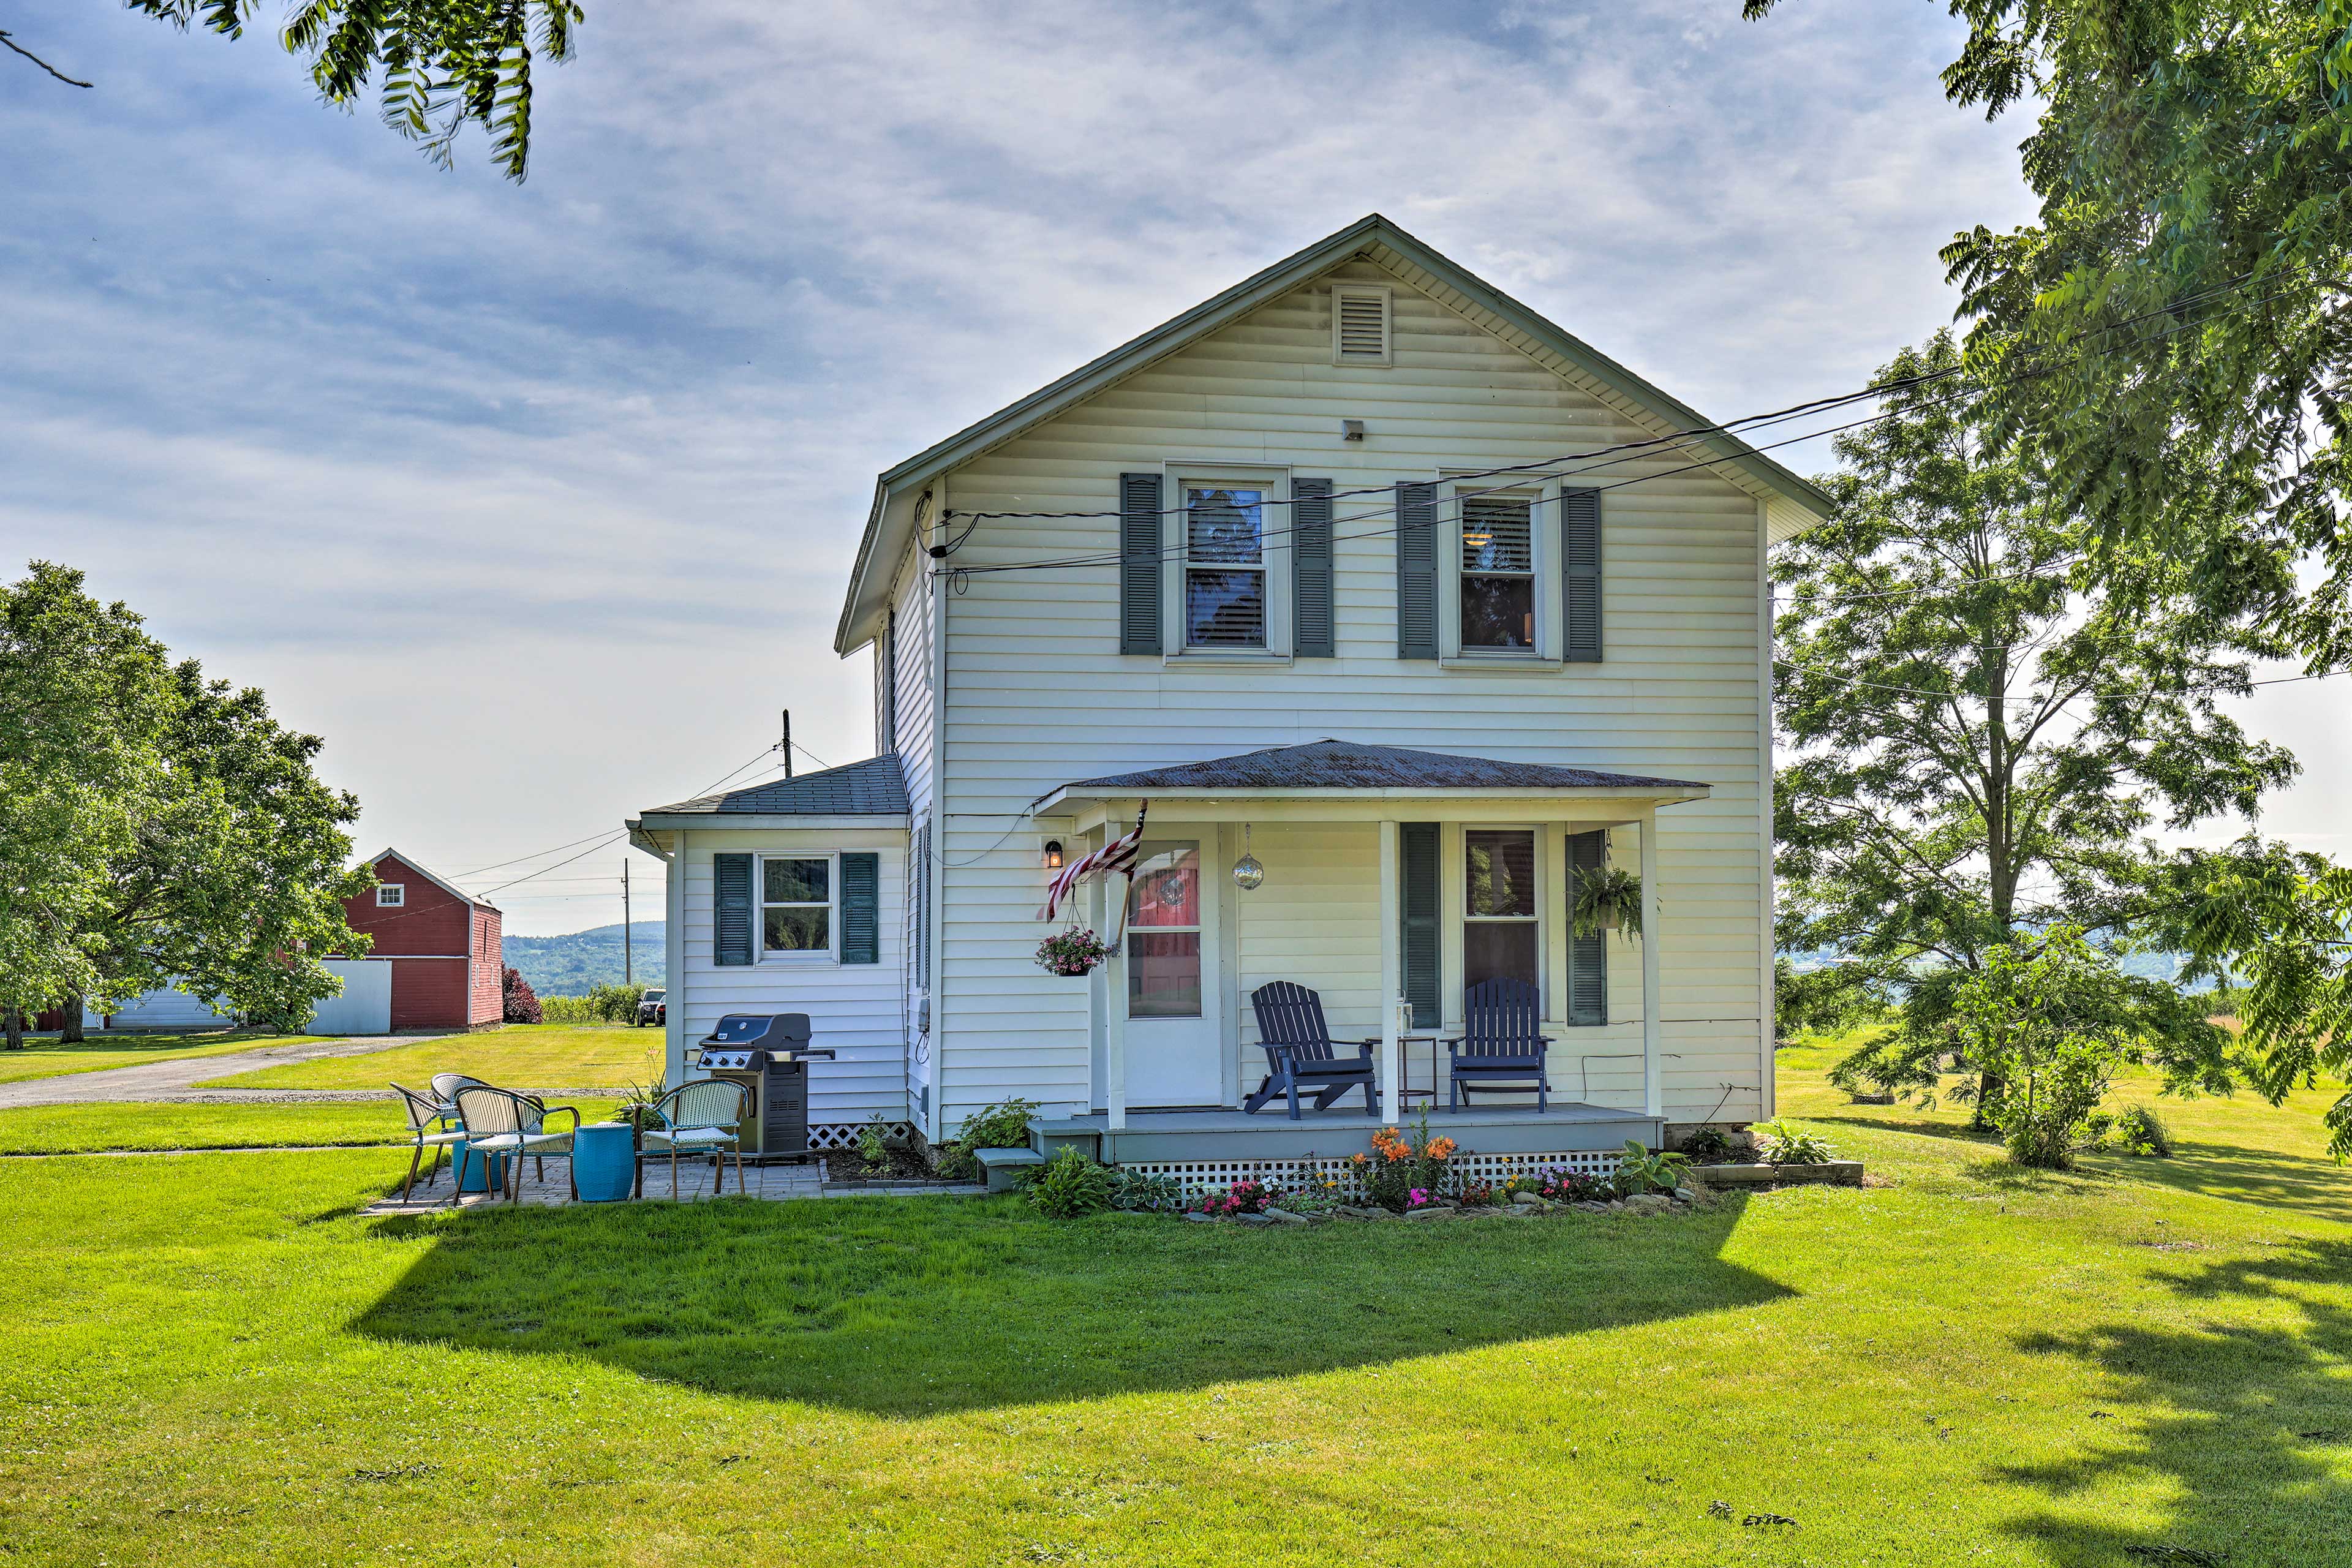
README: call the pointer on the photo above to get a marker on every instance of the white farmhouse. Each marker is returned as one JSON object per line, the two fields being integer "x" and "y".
{"x": 1362, "y": 572}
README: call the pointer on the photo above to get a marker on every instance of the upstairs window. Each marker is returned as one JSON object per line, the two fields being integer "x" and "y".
{"x": 1360, "y": 325}
{"x": 391, "y": 895}
{"x": 1498, "y": 572}
{"x": 1224, "y": 595}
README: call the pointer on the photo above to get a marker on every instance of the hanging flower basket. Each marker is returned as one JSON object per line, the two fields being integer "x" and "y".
{"x": 1607, "y": 899}
{"x": 1072, "y": 953}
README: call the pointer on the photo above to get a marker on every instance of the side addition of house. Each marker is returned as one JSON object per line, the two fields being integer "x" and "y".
{"x": 1360, "y": 578}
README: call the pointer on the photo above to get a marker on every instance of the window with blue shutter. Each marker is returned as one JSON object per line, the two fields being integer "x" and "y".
{"x": 1588, "y": 961}
{"x": 1417, "y": 892}
{"x": 1139, "y": 564}
{"x": 1312, "y": 633}
{"x": 1416, "y": 537}
{"x": 1580, "y": 554}
{"x": 861, "y": 908}
{"x": 730, "y": 909}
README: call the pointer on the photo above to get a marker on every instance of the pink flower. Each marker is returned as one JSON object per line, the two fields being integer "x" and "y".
{"x": 1417, "y": 1197}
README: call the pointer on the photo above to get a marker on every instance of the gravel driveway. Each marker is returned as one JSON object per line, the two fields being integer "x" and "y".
{"x": 176, "y": 1079}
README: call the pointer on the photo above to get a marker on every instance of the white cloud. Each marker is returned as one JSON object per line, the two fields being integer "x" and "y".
{"x": 537, "y": 501}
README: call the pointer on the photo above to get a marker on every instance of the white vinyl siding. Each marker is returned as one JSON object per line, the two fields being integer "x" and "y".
{"x": 855, "y": 1009}
{"x": 1039, "y": 695}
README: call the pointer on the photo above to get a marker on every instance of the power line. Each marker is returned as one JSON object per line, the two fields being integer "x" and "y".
{"x": 1627, "y": 452}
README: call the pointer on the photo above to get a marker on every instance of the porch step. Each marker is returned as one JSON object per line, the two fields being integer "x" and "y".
{"x": 1003, "y": 1166}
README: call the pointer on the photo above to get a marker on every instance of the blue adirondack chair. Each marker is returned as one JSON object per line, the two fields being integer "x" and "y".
{"x": 1299, "y": 1050}
{"x": 1502, "y": 1044}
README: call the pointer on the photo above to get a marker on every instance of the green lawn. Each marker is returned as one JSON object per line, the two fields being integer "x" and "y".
{"x": 96, "y": 1126}
{"x": 215, "y": 1361}
{"x": 47, "y": 1058}
{"x": 527, "y": 1055}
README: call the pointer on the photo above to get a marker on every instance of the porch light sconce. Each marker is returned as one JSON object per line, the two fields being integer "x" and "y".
{"x": 1248, "y": 872}
{"x": 1351, "y": 429}
{"x": 1053, "y": 856}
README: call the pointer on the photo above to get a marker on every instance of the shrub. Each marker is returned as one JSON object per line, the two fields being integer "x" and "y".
{"x": 2048, "y": 1019}
{"x": 1639, "y": 1170}
{"x": 1132, "y": 1192}
{"x": 2141, "y": 1132}
{"x": 1785, "y": 1143}
{"x": 1711, "y": 1146}
{"x": 1069, "y": 1186}
{"x": 565, "y": 1010}
{"x": 1399, "y": 1166}
{"x": 1005, "y": 1125}
{"x": 523, "y": 1004}
{"x": 1248, "y": 1196}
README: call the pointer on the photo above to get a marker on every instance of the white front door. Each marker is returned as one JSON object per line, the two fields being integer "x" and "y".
{"x": 1175, "y": 1049}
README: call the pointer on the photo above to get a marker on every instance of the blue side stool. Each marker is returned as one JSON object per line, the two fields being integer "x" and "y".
{"x": 479, "y": 1173}
{"x": 605, "y": 1162}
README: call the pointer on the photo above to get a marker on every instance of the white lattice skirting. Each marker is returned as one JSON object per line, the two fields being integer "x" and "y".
{"x": 1295, "y": 1174}
{"x": 844, "y": 1135}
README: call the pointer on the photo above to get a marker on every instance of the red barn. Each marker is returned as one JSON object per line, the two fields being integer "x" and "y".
{"x": 448, "y": 967}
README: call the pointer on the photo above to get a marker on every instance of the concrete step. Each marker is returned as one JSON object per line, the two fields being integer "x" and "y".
{"x": 1003, "y": 1166}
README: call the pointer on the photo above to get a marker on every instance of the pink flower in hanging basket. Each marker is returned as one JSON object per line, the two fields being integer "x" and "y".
{"x": 1071, "y": 953}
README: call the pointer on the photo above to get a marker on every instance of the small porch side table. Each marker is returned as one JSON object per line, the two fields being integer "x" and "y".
{"x": 1406, "y": 1094}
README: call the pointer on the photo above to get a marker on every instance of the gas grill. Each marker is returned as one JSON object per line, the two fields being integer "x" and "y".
{"x": 768, "y": 1054}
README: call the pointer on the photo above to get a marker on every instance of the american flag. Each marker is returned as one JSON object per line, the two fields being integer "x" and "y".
{"x": 1119, "y": 855}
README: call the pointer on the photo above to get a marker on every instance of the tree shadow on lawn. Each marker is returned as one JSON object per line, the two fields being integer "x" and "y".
{"x": 2250, "y": 1425}
{"x": 910, "y": 1307}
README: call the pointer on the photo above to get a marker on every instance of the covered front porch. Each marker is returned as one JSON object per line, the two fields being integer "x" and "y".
{"x": 1388, "y": 882}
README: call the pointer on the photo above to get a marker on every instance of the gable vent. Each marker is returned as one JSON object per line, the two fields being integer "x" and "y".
{"x": 1359, "y": 326}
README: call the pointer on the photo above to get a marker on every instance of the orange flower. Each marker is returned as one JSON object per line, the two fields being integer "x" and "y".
{"x": 1439, "y": 1148}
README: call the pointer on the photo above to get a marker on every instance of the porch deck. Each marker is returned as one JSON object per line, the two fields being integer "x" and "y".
{"x": 1226, "y": 1134}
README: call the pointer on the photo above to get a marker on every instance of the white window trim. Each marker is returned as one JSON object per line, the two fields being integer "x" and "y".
{"x": 1546, "y": 982}
{"x": 1275, "y": 482}
{"x": 399, "y": 891}
{"x": 1543, "y": 536}
{"x": 761, "y": 906}
{"x": 1387, "y": 298}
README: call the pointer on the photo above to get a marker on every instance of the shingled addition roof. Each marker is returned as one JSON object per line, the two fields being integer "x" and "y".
{"x": 874, "y": 787}
{"x": 1348, "y": 764}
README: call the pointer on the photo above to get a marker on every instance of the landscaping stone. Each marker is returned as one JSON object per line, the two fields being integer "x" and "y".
{"x": 1648, "y": 1203}
{"x": 1358, "y": 1211}
{"x": 1590, "y": 1206}
{"x": 1837, "y": 1173}
{"x": 1521, "y": 1211}
{"x": 1258, "y": 1219}
{"x": 1284, "y": 1216}
{"x": 1199, "y": 1219}
{"x": 1429, "y": 1214}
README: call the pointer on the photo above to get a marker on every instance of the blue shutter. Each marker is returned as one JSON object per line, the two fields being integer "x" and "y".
{"x": 1311, "y": 631}
{"x": 1416, "y": 516}
{"x": 730, "y": 917}
{"x": 1417, "y": 889}
{"x": 861, "y": 908}
{"x": 1588, "y": 962}
{"x": 1139, "y": 564}
{"x": 1580, "y": 554}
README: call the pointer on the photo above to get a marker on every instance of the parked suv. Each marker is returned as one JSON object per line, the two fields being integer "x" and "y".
{"x": 652, "y": 1008}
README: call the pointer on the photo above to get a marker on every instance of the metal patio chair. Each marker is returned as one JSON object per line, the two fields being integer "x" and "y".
{"x": 1299, "y": 1050}
{"x": 502, "y": 1125}
{"x": 705, "y": 1117}
{"x": 428, "y": 1122}
{"x": 1502, "y": 1044}
{"x": 446, "y": 1086}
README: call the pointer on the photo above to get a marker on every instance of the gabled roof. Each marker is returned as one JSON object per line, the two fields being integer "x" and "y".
{"x": 891, "y": 518}
{"x": 1323, "y": 765}
{"x": 874, "y": 787}
{"x": 447, "y": 886}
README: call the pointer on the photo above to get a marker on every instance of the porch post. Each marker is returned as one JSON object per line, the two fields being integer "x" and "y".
{"x": 1391, "y": 977}
{"x": 1114, "y": 1004}
{"x": 1651, "y": 1088}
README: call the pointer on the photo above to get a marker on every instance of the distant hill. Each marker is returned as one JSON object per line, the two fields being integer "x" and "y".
{"x": 570, "y": 965}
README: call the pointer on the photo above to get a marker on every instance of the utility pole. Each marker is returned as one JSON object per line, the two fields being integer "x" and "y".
{"x": 787, "y": 746}
{"x": 628, "y": 948}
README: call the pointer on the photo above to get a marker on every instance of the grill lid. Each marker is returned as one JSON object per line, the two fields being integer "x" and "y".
{"x": 768, "y": 1031}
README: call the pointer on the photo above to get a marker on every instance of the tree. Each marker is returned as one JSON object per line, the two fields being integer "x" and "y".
{"x": 86, "y": 697}
{"x": 522, "y": 1001}
{"x": 2051, "y": 1018}
{"x": 2280, "y": 922}
{"x": 446, "y": 63}
{"x": 2179, "y": 314}
{"x": 1983, "y": 722}
{"x": 234, "y": 886}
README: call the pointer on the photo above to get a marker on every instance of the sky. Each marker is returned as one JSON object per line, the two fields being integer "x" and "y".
{"x": 537, "y": 501}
